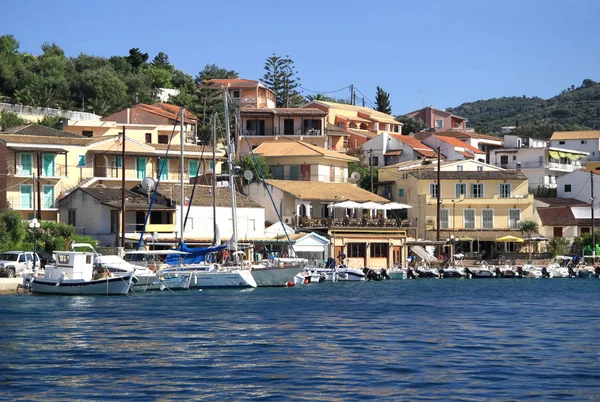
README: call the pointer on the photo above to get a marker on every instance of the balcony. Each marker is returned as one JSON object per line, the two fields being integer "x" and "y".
{"x": 563, "y": 167}
{"x": 150, "y": 227}
{"x": 16, "y": 203}
{"x": 59, "y": 171}
{"x": 515, "y": 199}
{"x": 331, "y": 223}
{"x": 269, "y": 132}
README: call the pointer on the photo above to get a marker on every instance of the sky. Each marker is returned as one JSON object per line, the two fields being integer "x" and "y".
{"x": 435, "y": 52}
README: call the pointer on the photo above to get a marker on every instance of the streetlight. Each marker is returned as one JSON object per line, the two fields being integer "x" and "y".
{"x": 34, "y": 224}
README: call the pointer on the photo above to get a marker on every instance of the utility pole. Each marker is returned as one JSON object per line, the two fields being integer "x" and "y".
{"x": 592, "y": 202}
{"x": 38, "y": 213}
{"x": 363, "y": 101}
{"x": 352, "y": 94}
{"x": 438, "y": 195}
{"x": 370, "y": 152}
{"x": 123, "y": 192}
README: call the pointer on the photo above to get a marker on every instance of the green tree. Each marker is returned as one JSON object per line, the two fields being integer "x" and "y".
{"x": 10, "y": 119}
{"x": 10, "y": 61}
{"x": 281, "y": 78}
{"x": 12, "y": 231}
{"x": 212, "y": 71}
{"x": 161, "y": 60}
{"x": 482, "y": 127}
{"x": 160, "y": 77}
{"x": 260, "y": 165}
{"x": 411, "y": 124}
{"x": 558, "y": 246}
{"x": 137, "y": 58}
{"x": 529, "y": 228}
{"x": 103, "y": 87}
{"x": 382, "y": 101}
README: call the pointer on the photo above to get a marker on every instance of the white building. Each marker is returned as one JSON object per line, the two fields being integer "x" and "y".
{"x": 541, "y": 163}
{"x": 577, "y": 185}
{"x": 586, "y": 141}
{"x": 453, "y": 148}
{"x": 387, "y": 149}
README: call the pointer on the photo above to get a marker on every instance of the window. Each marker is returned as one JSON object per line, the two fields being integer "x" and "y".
{"x": 374, "y": 161}
{"x": 114, "y": 221}
{"x": 561, "y": 143}
{"x": 433, "y": 190}
{"x": 356, "y": 250}
{"x": 140, "y": 167}
{"x": 26, "y": 196}
{"x": 379, "y": 250}
{"x": 288, "y": 126}
{"x": 460, "y": 168}
{"x": 312, "y": 127}
{"x": 439, "y": 123}
{"x": 480, "y": 168}
{"x": 558, "y": 231}
{"x": 487, "y": 218}
{"x": 305, "y": 172}
{"x": 148, "y": 138}
{"x": 294, "y": 172}
{"x": 477, "y": 190}
{"x": 504, "y": 161}
{"x": 404, "y": 176}
{"x": 505, "y": 190}
{"x": 444, "y": 217}
{"x": 49, "y": 165}
{"x": 461, "y": 189}
{"x": 583, "y": 141}
{"x": 585, "y": 230}
{"x": 118, "y": 161}
{"x": 72, "y": 217}
{"x": 567, "y": 188}
{"x": 80, "y": 160}
{"x": 277, "y": 172}
{"x": 26, "y": 164}
{"x": 400, "y": 192}
{"x": 163, "y": 139}
{"x": 48, "y": 201}
{"x": 255, "y": 127}
{"x": 193, "y": 168}
{"x": 235, "y": 94}
{"x": 514, "y": 217}
{"x": 163, "y": 168}
{"x": 87, "y": 133}
{"x": 469, "y": 218}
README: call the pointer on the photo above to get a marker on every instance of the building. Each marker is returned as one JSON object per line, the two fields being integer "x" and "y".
{"x": 388, "y": 149}
{"x": 367, "y": 242}
{"x": 586, "y": 141}
{"x": 247, "y": 93}
{"x": 281, "y": 124}
{"x": 358, "y": 122}
{"x": 484, "y": 142}
{"x": 541, "y": 163}
{"x": 564, "y": 217}
{"x": 454, "y": 149}
{"x": 440, "y": 119}
{"x": 578, "y": 184}
{"x": 476, "y": 206}
{"x": 297, "y": 160}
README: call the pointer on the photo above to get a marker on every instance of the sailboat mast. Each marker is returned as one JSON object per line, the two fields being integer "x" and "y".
{"x": 214, "y": 178}
{"x": 230, "y": 153}
{"x": 182, "y": 195}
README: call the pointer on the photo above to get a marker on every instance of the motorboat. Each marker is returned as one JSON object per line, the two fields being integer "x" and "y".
{"x": 345, "y": 273}
{"x": 73, "y": 274}
{"x": 170, "y": 282}
{"x": 564, "y": 266}
{"x": 144, "y": 276}
{"x": 278, "y": 272}
{"x": 213, "y": 275}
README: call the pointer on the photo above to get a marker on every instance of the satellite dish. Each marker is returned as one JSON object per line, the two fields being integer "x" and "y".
{"x": 248, "y": 175}
{"x": 355, "y": 177}
{"x": 148, "y": 184}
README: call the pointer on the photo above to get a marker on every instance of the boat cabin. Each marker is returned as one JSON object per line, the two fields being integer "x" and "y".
{"x": 71, "y": 265}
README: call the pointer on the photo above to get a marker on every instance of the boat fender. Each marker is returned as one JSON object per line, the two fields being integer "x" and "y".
{"x": 290, "y": 284}
{"x": 306, "y": 280}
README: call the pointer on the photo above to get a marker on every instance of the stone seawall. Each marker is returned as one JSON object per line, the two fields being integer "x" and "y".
{"x": 9, "y": 285}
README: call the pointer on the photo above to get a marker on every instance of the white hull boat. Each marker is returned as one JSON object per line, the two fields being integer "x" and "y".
{"x": 350, "y": 274}
{"x": 180, "y": 282}
{"x": 274, "y": 276}
{"x": 206, "y": 276}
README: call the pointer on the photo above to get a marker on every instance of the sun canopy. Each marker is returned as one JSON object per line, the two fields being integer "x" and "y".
{"x": 345, "y": 204}
{"x": 395, "y": 205}
{"x": 510, "y": 239}
{"x": 371, "y": 205}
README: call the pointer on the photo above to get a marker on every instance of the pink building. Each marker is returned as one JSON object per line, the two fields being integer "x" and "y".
{"x": 440, "y": 119}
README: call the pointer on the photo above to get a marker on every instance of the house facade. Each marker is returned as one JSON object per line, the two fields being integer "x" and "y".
{"x": 359, "y": 123}
{"x": 578, "y": 184}
{"x": 453, "y": 148}
{"x": 586, "y": 141}
{"x": 440, "y": 119}
{"x": 282, "y": 124}
{"x": 297, "y": 160}
{"x": 542, "y": 164}
{"x": 388, "y": 149}
{"x": 247, "y": 93}
{"x": 564, "y": 217}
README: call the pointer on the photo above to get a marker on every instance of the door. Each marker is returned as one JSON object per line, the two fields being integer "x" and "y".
{"x": 26, "y": 164}
{"x": 558, "y": 231}
{"x": 48, "y": 197}
{"x": 26, "y": 196}
{"x": 193, "y": 168}
{"x": 503, "y": 160}
{"x": 305, "y": 172}
{"x": 49, "y": 166}
{"x": 288, "y": 126}
{"x": 140, "y": 167}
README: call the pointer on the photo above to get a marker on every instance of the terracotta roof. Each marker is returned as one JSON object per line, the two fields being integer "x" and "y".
{"x": 437, "y": 110}
{"x": 363, "y": 133}
{"x": 575, "y": 135}
{"x": 556, "y": 216}
{"x": 40, "y": 131}
{"x": 112, "y": 197}
{"x": 469, "y": 175}
{"x": 465, "y": 134}
{"x": 321, "y": 191}
{"x": 374, "y": 115}
{"x": 555, "y": 201}
{"x": 332, "y": 129}
{"x": 416, "y": 145}
{"x": 45, "y": 140}
{"x": 283, "y": 112}
{"x": 458, "y": 143}
{"x": 299, "y": 148}
{"x": 171, "y": 112}
{"x": 203, "y": 196}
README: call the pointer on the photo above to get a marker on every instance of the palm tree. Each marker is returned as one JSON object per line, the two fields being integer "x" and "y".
{"x": 529, "y": 228}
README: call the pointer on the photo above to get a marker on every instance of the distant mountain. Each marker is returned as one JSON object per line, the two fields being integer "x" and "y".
{"x": 573, "y": 109}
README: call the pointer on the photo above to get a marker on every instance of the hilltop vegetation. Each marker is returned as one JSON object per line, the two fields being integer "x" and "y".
{"x": 575, "y": 108}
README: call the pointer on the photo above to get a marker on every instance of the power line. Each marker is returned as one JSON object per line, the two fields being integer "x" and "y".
{"x": 371, "y": 103}
{"x": 325, "y": 92}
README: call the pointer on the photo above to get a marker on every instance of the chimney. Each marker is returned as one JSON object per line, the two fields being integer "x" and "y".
{"x": 128, "y": 116}
{"x": 519, "y": 167}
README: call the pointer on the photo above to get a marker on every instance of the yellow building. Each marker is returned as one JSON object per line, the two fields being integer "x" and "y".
{"x": 478, "y": 202}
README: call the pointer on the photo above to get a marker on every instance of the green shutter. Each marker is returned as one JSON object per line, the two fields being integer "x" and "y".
{"x": 81, "y": 161}
{"x": 48, "y": 196}
{"x": 26, "y": 164}
{"x": 49, "y": 165}
{"x": 140, "y": 165}
{"x": 26, "y": 196}
{"x": 163, "y": 170}
{"x": 192, "y": 168}
{"x": 118, "y": 160}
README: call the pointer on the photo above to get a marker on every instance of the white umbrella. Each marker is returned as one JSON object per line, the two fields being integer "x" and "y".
{"x": 371, "y": 205}
{"x": 345, "y": 204}
{"x": 395, "y": 205}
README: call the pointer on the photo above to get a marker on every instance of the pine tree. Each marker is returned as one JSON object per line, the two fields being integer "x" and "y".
{"x": 382, "y": 101}
{"x": 281, "y": 78}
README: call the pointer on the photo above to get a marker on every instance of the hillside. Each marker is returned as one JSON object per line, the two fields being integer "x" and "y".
{"x": 573, "y": 109}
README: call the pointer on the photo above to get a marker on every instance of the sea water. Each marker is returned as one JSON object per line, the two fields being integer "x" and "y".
{"x": 495, "y": 339}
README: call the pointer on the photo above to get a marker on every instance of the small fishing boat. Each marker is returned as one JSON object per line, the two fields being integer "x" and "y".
{"x": 73, "y": 274}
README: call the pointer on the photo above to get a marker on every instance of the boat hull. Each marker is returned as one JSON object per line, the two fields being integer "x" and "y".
{"x": 109, "y": 286}
{"x": 274, "y": 276}
{"x": 181, "y": 282}
{"x": 219, "y": 279}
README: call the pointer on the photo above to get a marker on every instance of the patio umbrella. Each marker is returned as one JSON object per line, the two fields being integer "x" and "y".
{"x": 538, "y": 238}
{"x": 463, "y": 238}
{"x": 346, "y": 204}
{"x": 510, "y": 239}
{"x": 395, "y": 205}
{"x": 371, "y": 205}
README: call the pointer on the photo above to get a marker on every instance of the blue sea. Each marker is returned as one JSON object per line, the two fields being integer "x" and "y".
{"x": 427, "y": 339}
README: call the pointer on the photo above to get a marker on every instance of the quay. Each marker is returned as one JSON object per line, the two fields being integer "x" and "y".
{"x": 9, "y": 285}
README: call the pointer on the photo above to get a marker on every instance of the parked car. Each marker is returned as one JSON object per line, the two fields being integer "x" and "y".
{"x": 15, "y": 263}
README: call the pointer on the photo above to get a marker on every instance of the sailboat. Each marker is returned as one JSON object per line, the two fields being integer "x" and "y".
{"x": 211, "y": 274}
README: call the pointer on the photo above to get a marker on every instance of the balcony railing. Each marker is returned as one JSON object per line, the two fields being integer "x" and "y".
{"x": 270, "y": 132}
{"x": 331, "y": 223}
{"x": 23, "y": 204}
{"x": 541, "y": 165}
{"x": 59, "y": 171}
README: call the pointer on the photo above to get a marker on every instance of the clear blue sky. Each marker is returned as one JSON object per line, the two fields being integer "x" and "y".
{"x": 452, "y": 51}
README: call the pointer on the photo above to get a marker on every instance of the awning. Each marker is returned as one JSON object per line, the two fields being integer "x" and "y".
{"x": 40, "y": 148}
{"x": 554, "y": 154}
